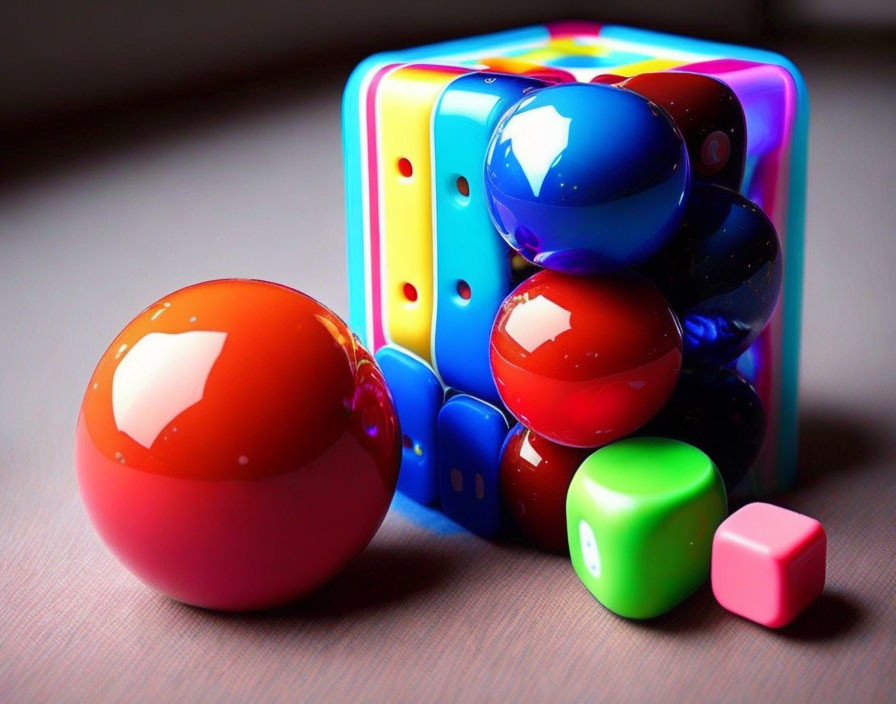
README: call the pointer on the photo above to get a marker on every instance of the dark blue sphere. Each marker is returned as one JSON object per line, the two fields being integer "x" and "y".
{"x": 721, "y": 274}
{"x": 717, "y": 410}
{"x": 586, "y": 178}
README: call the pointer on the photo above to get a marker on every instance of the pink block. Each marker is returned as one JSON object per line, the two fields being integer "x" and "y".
{"x": 768, "y": 563}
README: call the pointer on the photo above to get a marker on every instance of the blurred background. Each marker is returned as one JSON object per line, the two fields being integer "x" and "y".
{"x": 60, "y": 57}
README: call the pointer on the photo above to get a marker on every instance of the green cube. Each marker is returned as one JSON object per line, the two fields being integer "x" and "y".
{"x": 641, "y": 514}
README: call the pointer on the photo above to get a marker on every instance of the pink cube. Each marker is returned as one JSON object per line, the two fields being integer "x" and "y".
{"x": 768, "y": 563}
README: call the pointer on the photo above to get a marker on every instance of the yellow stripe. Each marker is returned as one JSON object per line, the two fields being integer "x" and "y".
{"x": 649, "y": 66}
{"x": 406, "y": 99}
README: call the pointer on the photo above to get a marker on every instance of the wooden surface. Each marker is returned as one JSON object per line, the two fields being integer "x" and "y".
{"x": 97, "y": 223}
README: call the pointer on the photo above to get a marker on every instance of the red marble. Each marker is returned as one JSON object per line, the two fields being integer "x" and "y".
{"x": 534, "y": 476}
{"x": 585, "y": 361}
{"x": 236, "y": 445}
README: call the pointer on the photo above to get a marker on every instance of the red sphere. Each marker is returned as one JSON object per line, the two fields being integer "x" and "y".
{"x": 236, "y": 445}
{"x": 534, "y": 476}
{"x": 585, "y": 361}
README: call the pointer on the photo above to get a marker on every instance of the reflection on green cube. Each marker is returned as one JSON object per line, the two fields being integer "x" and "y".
{"x": 641, "y": 514}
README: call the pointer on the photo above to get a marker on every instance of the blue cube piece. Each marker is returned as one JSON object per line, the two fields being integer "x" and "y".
{"x": 471, "y": 434}
{"x": 418, "y": 397}
{"x": 473, "y": 271}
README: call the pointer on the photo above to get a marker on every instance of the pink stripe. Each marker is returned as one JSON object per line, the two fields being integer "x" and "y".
{"x": 567, "y": 30}
{"x": 440, "y": 68}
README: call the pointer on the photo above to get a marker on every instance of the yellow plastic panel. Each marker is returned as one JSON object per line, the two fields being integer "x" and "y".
{"x": 649, "y": 66}
{"x": 405, "y": 102}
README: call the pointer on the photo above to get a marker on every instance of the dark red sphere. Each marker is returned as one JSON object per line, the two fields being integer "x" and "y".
{"x": 236, "y": 445}
{"x": 585, "y": 361}
{"x": 710, "y": 117}
{"x": 534, "y": 476}
{"x": 608, "y": 79}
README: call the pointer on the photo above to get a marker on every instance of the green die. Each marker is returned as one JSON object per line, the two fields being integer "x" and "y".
{"x": 641, "y": 514}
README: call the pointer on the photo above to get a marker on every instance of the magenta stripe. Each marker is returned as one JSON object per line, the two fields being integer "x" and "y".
{"x": 373, "y": 199}
{"x": 573, "y": 29}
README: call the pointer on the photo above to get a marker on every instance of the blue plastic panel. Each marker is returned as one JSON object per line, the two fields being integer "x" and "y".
{"x": 471, "y": 434}
{"x": 418, "y": 398}
{"x": 473, "y": 273}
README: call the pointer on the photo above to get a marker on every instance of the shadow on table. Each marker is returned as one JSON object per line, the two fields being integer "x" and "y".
{"x": 833, "y": 616}
{"x": 698, "y": 613}
{"x": 382, "y": 577}
{"x": 835, "y": 440}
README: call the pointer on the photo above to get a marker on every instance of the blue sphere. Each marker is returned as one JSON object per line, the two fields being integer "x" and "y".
{"x": 586, "y": 178}
{"x": 721, "y": 274}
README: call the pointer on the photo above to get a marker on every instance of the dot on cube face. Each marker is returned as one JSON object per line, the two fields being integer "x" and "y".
{"x": 710, "y": 118}
{"x": 717, "y": 410}
{"x": 583, "y": 195}
{"x": 534, "y": 477}
{"x": 640, "y": 520}
{"x": 234, "y": 460}
{"x": 768, "y": 563}
{"x": 721, "y": 274}
{"x": 584, "y": 361}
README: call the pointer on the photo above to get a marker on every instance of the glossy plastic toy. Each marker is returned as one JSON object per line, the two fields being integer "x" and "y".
{"x": 471, "y": 434}
{"x": 721, "y": 273}
{"x": 236, "y": 445}
{"x": 534, "y": 477}
{"x": 418, "y": 396}
{"x": 470, "y": 289}
{"x": 709, "y": 116}
{"x": 586, "y": 179}
{"x": 428, "y": 268}
{"x": 641, "y": 514}
{"x": 585, "y": 361}
{"x": 768, "y": 563}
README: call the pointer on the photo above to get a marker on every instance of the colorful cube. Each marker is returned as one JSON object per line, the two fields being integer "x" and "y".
{"x": 640, "y": 517}
{"x": 427, "y": 268}
{"x": 768, "y": 563}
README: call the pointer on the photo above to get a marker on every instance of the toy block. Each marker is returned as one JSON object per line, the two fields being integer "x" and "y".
{"x": 768, "y": 563}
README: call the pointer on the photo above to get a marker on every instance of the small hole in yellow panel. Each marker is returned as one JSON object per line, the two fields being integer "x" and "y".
{"x": 409, "y": 291}
{"x": 405, "y": 168}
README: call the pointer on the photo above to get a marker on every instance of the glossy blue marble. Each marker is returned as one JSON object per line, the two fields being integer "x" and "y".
{"x": 721, "y": 274}
{"x": 471, "y": 435}
{"x": 418, "y": 396}
{"x": 473, "y": 268}
{"x": 586, "y": 178}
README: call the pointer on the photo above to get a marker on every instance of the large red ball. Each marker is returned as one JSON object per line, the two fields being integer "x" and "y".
{"x": 585, "y": 361}
{"x": 534, "y": 476}
{"x": 236, "y": 445}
